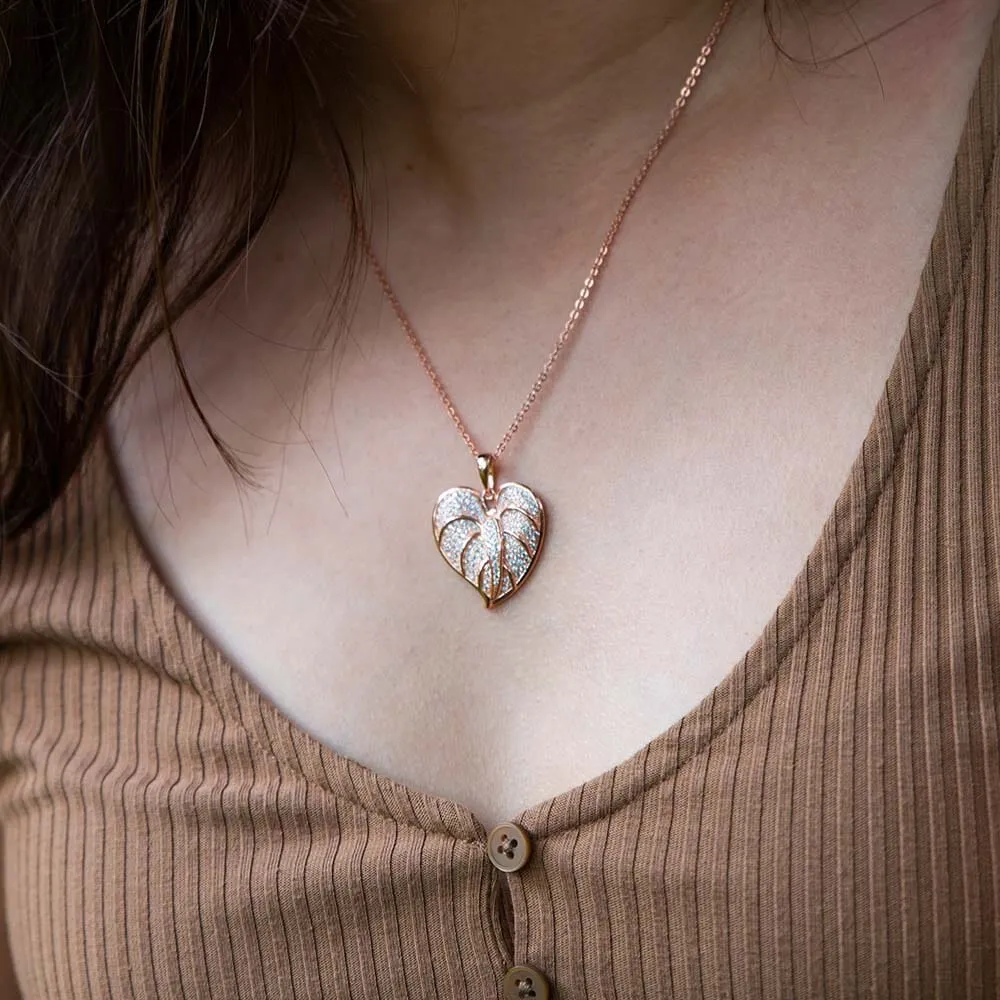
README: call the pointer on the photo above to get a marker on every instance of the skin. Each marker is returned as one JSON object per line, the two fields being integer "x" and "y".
{"x": 691, "y": 446}
{"x": 717, "y": 394}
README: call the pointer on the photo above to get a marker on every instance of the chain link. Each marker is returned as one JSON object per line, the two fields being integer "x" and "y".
{"x": 586, "y": 290}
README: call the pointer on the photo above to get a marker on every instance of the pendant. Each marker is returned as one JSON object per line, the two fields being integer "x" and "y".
{"x": 492, "y": 539}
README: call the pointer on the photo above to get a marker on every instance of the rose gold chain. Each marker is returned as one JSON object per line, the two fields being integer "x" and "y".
{"x": 580, "y": 305}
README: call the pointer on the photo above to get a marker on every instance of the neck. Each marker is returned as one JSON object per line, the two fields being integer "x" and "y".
{"x": 472, "y": 102}
{"x": 472, "y": 113}
{"x": 467, "y": 56}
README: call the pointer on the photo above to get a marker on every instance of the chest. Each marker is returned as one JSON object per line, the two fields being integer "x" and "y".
{"x": 689, "y": 455}
{"x": 682, "y": 498}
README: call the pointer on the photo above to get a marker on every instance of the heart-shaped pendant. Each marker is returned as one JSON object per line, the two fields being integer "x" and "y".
{"x": 492, "y": 538}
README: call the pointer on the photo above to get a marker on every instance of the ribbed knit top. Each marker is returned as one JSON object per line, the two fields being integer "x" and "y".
{"x": 825, "y": 824}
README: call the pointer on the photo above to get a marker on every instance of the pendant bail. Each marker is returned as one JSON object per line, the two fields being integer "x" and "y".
{"x": 486, "y": 472}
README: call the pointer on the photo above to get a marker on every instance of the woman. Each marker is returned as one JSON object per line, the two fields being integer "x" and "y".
{"x": 259, "y": 740}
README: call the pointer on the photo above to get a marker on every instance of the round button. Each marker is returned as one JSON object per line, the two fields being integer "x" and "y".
{"x": 509, "y": 847}
{"x": 525, "y": 983}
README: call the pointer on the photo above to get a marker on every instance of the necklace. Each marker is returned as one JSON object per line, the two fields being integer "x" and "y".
{"x": 492, "y": 538}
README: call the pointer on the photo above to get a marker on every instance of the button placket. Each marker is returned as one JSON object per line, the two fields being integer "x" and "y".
{"x": 509, "y": 849}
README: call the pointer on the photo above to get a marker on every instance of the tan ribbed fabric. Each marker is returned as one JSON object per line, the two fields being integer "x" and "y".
{"x": 825, "y": 825}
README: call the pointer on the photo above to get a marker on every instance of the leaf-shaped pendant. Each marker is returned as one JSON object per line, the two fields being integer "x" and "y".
{"x": 492, "y": 538}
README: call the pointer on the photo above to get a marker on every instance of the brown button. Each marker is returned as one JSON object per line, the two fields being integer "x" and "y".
{"x": 509, "y": 847}
{"x": 525, "y": 983}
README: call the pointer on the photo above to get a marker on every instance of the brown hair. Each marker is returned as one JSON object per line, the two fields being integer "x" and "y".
{"x": 120, "y": 124}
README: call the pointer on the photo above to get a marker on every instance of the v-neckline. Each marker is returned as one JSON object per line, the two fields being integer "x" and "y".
{"x": 291, "y": 746}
